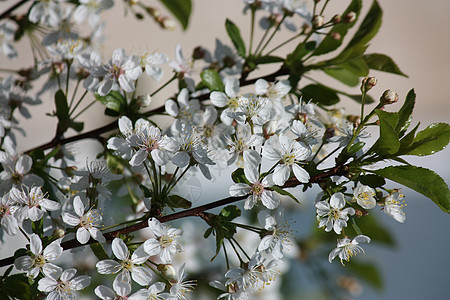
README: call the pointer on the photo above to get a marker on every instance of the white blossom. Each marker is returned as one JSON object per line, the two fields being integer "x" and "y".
{"x": 331, "y": 215}
{"x": 61, "y": 285}
{"x": 165, "y": 243}
{"x": 40, "y": 258}
{"x": 364, "y": 196}
{"x": 347, "y": 248}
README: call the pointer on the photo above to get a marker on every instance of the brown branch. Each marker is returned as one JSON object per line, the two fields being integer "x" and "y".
{"x": 7, "y": 12}
{"x": 196, "y": 211}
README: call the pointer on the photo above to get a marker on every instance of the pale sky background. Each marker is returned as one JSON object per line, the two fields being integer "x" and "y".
{"x": 414, "y": 33}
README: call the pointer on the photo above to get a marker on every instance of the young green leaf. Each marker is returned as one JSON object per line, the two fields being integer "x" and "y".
{"x": 432, "y": 139}
{"x": 62, "y": 108}
{"x": 175, "y": 201}
{"x": 383, "y": 63}
{"x": 212, "y": 80}
{"x": 321, "y": 94}
{"x": 113, "y": 101}
{"x": 230, "y": 212}
{"x": 388, "y": 142}
{"x": 235, "y": 36}
{"x": 422, "y": 180}
{"x": 405, "y": 113}
{"x": 181, "y": 9}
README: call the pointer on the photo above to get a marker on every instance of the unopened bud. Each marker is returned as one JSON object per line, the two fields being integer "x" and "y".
{"x": 389, "y": 97}
{"x": 317, "y": 21}
{"x": 350, "y": 17}
{"x": 354, "y": 119}
{"x": 167, "y": 270}
{"x": 336, "y": 19}
{"x": 198, "y": 53}
{"x": 144, "y": 100}
{"x": 329, "y": 133}
{"x": 368, "y": 83}
{"x": 336, "y": 36}
{"x": 169, "y": 24}
{"x": 58, "y": 233}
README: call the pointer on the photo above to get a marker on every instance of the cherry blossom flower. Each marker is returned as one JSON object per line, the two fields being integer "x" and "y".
{"x": 91, "y": 9}
{"x": 393, "y": 204}
{"x": 62, "y": 284}
{"x": 278, "y": 236}
{"x": 240, "y": 147}
{"x": 7, "y": 31}
{"x": 121, "y": 291}
{"x": 127, "y": 265}
{"x": 180, "y": 287}
{"x": 289, "y": 154}
{"x": 48, "y": 12}
{"x": 87, "y": 222}
{"x": 149, "y": 62}
{"x": 257, "y": 188}
{"x": 39, "y": 259}
{"x": 152, "y": 293}
{"x": 274, "y": 92}
{"x": 229, "y": 99}
{"x": 257, "y": 272}
{"x": 184, "y": 111}
{"x": 331, "y": 215}
{"x": 122, "y": 70}
{"x": 165, "y": 244}
{"x": 347, "y": 248}
{"x": 364, "y": 196}
{"x": 31, "y": 203}
{"x": 8, "y": 221}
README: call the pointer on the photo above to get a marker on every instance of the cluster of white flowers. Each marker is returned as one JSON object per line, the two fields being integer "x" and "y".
{"x": 266, "y": 133}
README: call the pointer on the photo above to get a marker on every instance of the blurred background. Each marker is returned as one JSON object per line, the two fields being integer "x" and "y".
{"x": 414, "y": 34}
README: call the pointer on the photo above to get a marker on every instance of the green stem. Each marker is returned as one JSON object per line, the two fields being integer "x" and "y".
{"x": 272, "y": 35}
{"x": 243, "y": 251}
{"x": 328, "y": 155}
{"x": 285, "y": 42}
{"x": 84, "y": 109}
{"x": 164, "y": 85}
{"x": 252, "y": 31}
{"x": 262, "y": 39}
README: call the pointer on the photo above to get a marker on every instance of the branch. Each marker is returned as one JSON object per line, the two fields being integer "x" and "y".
{"x": 6, "y": 13}
{"x": 196, "y": 211}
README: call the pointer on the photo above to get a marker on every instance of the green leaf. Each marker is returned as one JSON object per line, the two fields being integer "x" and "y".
{"x": 388, "y": 142}
{"x": 405, "y": 112}
{"x": 235, "y": 36}
{"x": 407, "y": 140}
{"x": 99, "y": 251}
{"x": 368, "y": 28}
{"x": 422, "y": 180}
{"x": 146, "y": 191}
{"x": 343, "y": 75}
{"x": 320, "y": 94}
{"x": 432, "y": 139}
{"x": 372, "y": 180}
{"x": 181, "y": 9}
{"x": 230, "y": 212}
{"x": 284, "y": 192}
{"x": 355, "y": 148}
{"x": 17, "y": 287}
{"x": 367, "y": 272}
{"x": 77, "y": 126}
{"x": 212, "y": 80}
{"x": 62, "y": 108}
{"x": 113, "y": 101}
{"x": 268, "y": 59}
{"x": 238, "y": 176}
{"x": 329, "y": 44}
{"x": 175, "y": 201}
{"x": 384, "y": 63}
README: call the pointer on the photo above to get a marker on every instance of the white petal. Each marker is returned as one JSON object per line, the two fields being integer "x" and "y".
{"x": 141, "y": 275}
{"x": 35, "y": 244}
{"x": 83, "y": 235}
{"x": 239, "y": 189}
{"x": 337, "y": 200}
{"x": 107, "y": 266}
{"x": 300, "y": 173}
{"x": 119, "y": 249}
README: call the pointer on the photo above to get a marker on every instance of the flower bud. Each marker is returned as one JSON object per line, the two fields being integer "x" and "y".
{"x": 336, "y": 36}
{"x": 58, "y": 233}
{"x": 368, "y": 83}
{"x": 350, "y": 17}
{"x": 144, "y": 100}
{"x": 336, "y": 19}
{"x": 389, "y": 97}
{"x": 167, "y": 270}
{"x": 317, "y": 21}
{"x": 199, "y": 52}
